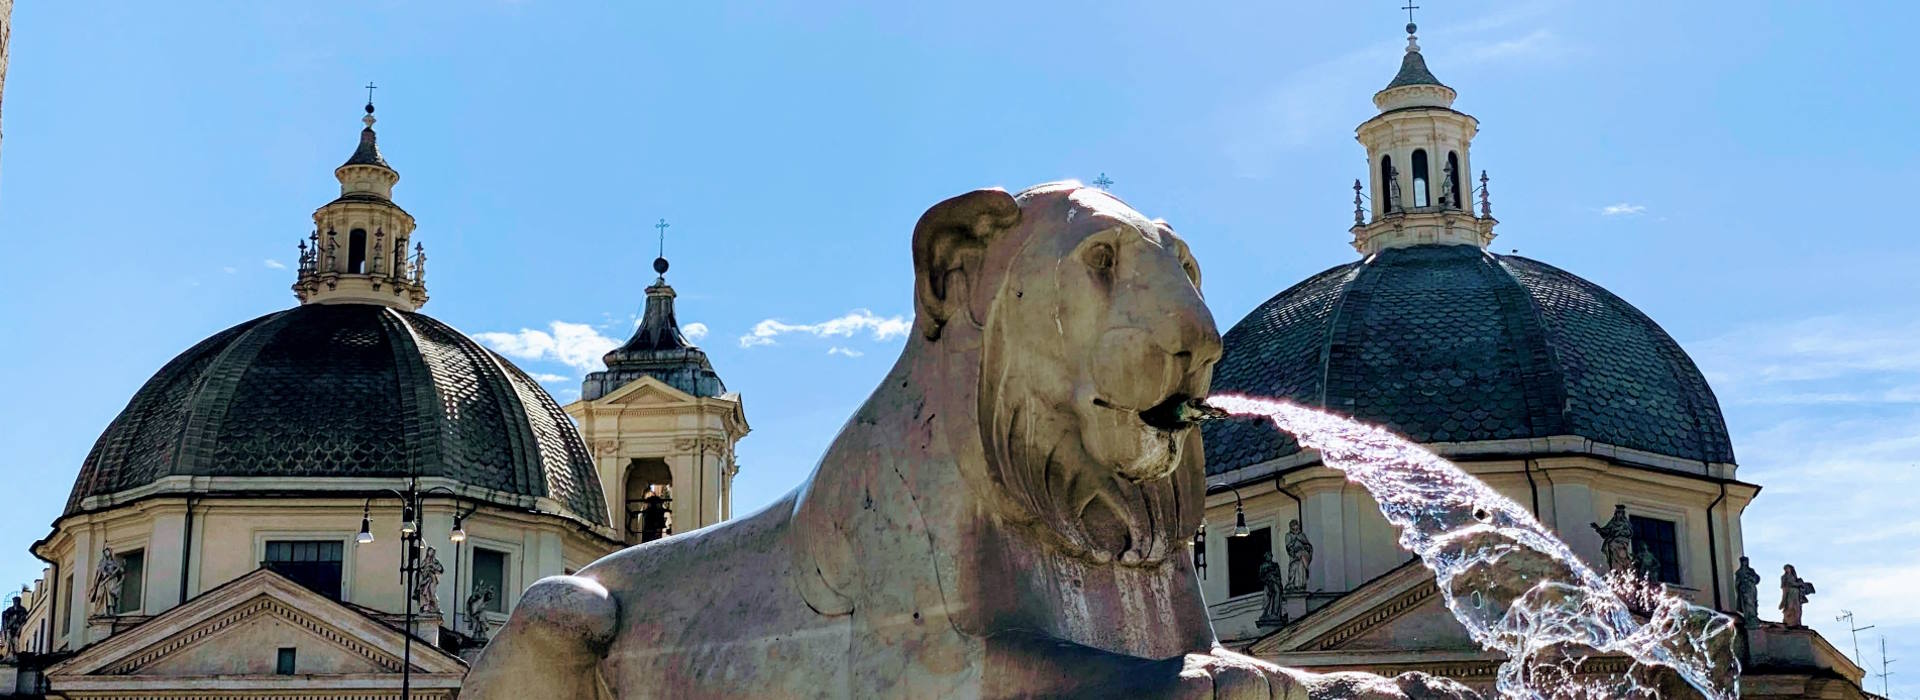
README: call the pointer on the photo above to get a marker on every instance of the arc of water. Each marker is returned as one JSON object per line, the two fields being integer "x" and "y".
{"x": 1518, "y": 589}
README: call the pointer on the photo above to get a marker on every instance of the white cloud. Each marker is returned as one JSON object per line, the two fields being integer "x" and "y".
{"x": 545, "y": 377}
{"x": 576, "y": 345}
{"x": 229, "y": 270}
{"x": 849, "y": 352}
{"x": 1880, "y": 355}
{"x": 1622, "y": 209}
{"x": 856, "y": 321}
{"x": 694, "y": 331}
{"x": 275, "y": 264}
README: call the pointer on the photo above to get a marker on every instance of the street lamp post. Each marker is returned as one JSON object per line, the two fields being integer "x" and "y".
{"x": 1200, "y": 537}
{"x": 412, "y": 503}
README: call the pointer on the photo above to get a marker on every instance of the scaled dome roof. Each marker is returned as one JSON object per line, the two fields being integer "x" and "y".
{"x": 1451, "y": 344}
{"x": 346, "y": 390}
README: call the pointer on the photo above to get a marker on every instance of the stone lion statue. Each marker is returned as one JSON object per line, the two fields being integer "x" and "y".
{"x": 1008, "y": 515}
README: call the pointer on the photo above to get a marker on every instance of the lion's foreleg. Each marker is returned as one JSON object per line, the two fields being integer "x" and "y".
{"x": 551, "y": 647}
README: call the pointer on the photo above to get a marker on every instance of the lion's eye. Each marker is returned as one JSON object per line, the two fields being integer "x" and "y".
{"x": 1099, "y": 256}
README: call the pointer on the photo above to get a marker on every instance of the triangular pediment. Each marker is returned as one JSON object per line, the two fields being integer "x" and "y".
{"x": 1399, "y": 611}
{"x": 237, "y": 629}
{"x": 645, "y": 390}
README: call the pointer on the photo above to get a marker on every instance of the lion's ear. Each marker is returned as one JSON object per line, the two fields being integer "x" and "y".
{"x": 949, "y": 248}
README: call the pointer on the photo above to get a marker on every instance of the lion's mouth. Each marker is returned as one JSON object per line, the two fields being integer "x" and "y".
{"x": 1170, "y": 415}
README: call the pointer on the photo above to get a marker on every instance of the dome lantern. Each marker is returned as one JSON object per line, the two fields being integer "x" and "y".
{"x": 1421, "y": 171}
{"x": 358, "y": 251}
{"x": 658, "y": 348}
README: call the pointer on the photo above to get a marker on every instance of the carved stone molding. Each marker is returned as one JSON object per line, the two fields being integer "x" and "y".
{"x": 1379, "y": 616}
{"x": 259, "y": 606}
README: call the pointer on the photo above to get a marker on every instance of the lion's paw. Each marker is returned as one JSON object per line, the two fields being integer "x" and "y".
{"x": 1224, "y": 674}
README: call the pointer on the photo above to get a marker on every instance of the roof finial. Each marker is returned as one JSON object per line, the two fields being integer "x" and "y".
{"x": 1486, "y": 202}
{"x": 1359, "y": 214}
{"x": 368, "y": 120}
{"x": 1103, "y": 182}
{"x": 660, "y": 263}
{"x": 1413, "y": 44}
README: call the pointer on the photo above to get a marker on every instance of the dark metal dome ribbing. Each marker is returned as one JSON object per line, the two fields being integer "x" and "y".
{"x": 1448, "y": 344}
{"x": 657, "y": 349}
{"x": 1413, "y": 71}
{"x": 346, "y": 390}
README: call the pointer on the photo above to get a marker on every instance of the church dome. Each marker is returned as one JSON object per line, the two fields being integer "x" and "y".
{"x": 345, "y": 390}
{"x": 1453, "y": 344}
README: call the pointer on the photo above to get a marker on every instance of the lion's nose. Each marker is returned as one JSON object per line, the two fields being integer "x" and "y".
{"x": 1188, "y": 334}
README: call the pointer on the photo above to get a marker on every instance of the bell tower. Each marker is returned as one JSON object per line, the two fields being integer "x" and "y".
{"x": 661, "y": 424}
{"x": 1419, "y": 165}
{"x": 361, "y": 250}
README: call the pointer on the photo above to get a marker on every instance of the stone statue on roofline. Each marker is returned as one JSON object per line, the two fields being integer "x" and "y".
{"x": 426, "y": 589}
{"x": 1393, "y": 189}
{"x": 12, "y": 623}
{"x": 1273, "y": 583}
{"x": 1299, "y": 557}
{"x": 477, "y": 603}
{"x": 1645, "y": 564}
{"x": 104, "y": 595}
{"x": 1793, "y": 596}
{"x": 1616, "y": 541}
{"x": 1010, "y": 514}
{"x": 1746, "y": 593}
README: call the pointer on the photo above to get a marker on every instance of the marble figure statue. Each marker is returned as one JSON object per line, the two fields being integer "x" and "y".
{"x": 1746, "y": 593}
{"x": 104, "y": 596}
{"x": 1616, "y": 541}
{"x": 426, "y": 588}
{"x": 1393, "y": 189}
{"x": 12, "y": 623}
{"x": 1273, "y": 583}
{"x": 1299, "y": 557}
{"x": 1009, "y": 514}
{"x": 1645, "y": 564}
{"x": 1793, "y": 596}
{"x": 477, "y": 610}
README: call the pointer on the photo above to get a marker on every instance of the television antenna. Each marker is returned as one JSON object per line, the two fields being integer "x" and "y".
{"x": 1847, "y": 617}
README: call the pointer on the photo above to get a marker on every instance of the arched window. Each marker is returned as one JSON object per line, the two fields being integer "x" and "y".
{"x": 1420, "y": 179}
{"x": 357, "y": 251}
{"x": 649, "y": 497}
{"x": 1387, "y": 195}
{"x": 1456, "y": 197}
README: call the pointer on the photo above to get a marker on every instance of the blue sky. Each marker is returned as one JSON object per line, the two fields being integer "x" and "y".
{"x": 1735, "y": 171}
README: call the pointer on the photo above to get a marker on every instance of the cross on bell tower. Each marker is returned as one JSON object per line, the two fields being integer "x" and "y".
{"x": 660, "y": 262}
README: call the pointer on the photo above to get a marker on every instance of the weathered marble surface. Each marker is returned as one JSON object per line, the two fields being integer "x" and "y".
{"x": 998, "y": 520}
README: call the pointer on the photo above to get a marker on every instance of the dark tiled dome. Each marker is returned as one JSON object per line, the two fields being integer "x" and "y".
{"x": 346, "y": 390}
{"x": 1449, "y": 344}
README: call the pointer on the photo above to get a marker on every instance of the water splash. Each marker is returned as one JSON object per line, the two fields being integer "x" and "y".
{"x": 1517, "y": 589}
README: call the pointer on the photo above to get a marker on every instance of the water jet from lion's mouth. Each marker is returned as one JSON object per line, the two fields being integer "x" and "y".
{"x": 1180, "y": 411}
{"x": 1477, "y": 543}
